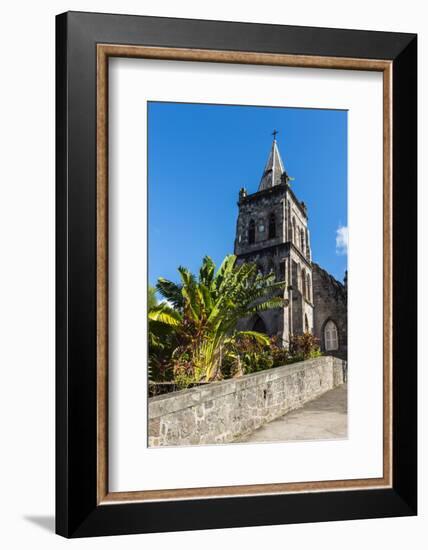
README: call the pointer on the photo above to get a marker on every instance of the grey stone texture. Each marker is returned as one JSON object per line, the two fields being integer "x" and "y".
{"x": 281, "y": 245}
{"x": 272, "y": 232}
{"x": 223, "y": 412}
{"x": 325, "y": 418}
{"x": 330, "y": 303}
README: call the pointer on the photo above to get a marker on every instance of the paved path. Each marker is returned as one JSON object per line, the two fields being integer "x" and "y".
{"x": 322, "y": 418}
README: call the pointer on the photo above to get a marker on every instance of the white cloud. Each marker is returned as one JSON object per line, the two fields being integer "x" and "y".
{"x": 342, "y": 240}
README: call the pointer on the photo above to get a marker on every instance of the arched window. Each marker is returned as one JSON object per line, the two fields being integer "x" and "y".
{"x": 282, "y": 271}
{"x": 294, "y": 275}
{"x": 294, "y": 231}
{"x": 302, "y": 240}
{"x": 272, "y": 226}
{"x": 303, "y": 283}
{"x": 306, "y": 323}
{"x": 308, "y": 287}
{"x": 331, "y": 339}
{"x": 251, "y": 232}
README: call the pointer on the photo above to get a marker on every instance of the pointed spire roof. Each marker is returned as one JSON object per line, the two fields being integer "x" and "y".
{"x": 274, "y": 167}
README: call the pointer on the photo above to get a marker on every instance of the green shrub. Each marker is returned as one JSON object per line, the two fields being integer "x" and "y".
{"x": 246, "y": 355}
{"x": 280, "y": 355}
{"x": 304, "y": 346}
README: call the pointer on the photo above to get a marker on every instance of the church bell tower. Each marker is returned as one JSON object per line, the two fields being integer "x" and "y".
{"x": 272, "y": 231}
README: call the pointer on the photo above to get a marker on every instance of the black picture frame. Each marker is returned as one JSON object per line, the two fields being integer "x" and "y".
{"x": 77, "y": 511}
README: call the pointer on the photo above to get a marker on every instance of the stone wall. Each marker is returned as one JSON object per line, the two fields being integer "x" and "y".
{"x": 330, "y": 302}
{"x": 222, "y": 412}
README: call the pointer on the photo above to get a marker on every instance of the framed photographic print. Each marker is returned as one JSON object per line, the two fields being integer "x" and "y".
{"x": 236, "y": 274}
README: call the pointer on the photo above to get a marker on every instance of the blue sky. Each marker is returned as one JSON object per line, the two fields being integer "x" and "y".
{"x": 201, "y": 155}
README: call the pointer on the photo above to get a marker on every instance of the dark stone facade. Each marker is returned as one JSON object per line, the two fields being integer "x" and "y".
{"x": 330, "y": 304}
{"x": 272, "y": 231}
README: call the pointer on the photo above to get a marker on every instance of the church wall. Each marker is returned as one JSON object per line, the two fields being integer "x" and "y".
{"x": 258, "y": 210}
{"x": 308, "y": 313}
{"x": 330, "y": 302}
{"x": 302, "y": 300}
{"x": 270, "y": 319}
{"x": 267, "y": 260}
{"x": 315, "y": 296}
{"x": 297, "y": 313}
{"x": 297, "y": 223}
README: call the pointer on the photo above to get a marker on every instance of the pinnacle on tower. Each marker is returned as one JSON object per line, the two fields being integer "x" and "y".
{"x": 274, "y": 169}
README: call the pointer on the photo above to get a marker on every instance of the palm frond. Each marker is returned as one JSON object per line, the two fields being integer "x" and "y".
{"x": 260, "y": 338}
{"x": 166, "y": 315}
{"x": 206, "y": 272}
{"x": 151, "y": 297}
{"x": 170, "y": 291}
{"x": 273, "y": 303}
{"x": 224, "y": 270}
{"x": 187, "y": 278}
{"x": 192, "y": 303}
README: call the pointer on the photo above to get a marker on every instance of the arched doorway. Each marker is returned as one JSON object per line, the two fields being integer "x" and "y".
{"x": 259, "y": 325}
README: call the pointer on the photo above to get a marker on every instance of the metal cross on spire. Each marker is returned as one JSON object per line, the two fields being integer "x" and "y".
{"x": 274, "y": 133}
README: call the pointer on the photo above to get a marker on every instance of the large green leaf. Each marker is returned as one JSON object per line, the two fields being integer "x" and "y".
{"x": 165, "y": 314}
{"x": 206, "y": 272}
{"x": 262, "y": 339}
{"x": 170, "y": 291}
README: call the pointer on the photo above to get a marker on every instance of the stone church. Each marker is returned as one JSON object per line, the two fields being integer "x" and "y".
{"x": 272, "y": 231}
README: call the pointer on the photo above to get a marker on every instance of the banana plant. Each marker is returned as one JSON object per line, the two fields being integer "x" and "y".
{"x": 203, "y": 311}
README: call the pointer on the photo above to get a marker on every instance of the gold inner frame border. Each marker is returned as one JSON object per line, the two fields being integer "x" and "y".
{"x": 104, "y": 52}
